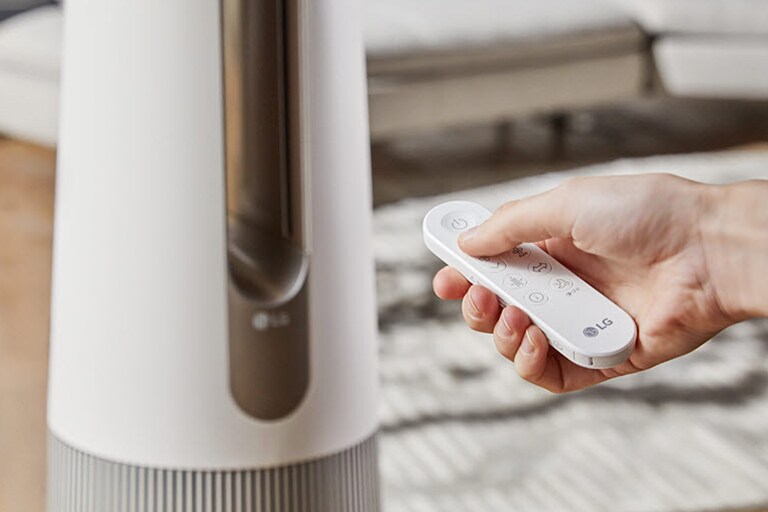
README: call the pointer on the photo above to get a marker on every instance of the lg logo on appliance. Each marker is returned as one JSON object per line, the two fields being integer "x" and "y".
{"x": 594, "y": 330}
{"x": 263, "y": 320}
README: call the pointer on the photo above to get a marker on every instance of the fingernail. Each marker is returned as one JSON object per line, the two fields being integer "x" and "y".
{"x": 474, "y": 310}
{"x": 527, "y": 346}
{"x": 506, "y": 323}
{"x": 468, "y": 235}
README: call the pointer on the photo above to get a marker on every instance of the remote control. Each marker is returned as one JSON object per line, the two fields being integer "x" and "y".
{"x": 580, "y": 322}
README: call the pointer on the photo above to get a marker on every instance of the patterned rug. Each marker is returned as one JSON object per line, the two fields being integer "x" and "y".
{"x": 461, "y": 432}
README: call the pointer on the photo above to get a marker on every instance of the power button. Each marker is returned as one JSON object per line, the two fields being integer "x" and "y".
{"x": 459, "y": 221}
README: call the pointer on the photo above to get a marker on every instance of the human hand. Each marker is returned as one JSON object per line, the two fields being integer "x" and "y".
{"x": 646, "y": 242}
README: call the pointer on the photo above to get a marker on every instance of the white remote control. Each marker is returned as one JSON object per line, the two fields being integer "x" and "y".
{"x": 580, "y": 322}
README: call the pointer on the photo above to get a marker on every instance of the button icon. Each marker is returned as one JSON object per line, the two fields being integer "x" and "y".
{"x": 494, "y": 265}
{"x": 459, "y": 221}
{"x": 459, "y": 224}
{"x": 540, "y": 267}
{"x": 520, "y": 252}
{"x": 537, "y": 298}
{"x": 590, "y": 332}
{"x": 560, "y": 284}
{"x": 515, "y": 281}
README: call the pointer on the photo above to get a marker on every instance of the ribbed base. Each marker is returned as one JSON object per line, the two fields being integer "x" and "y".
{"x": 347, "y": 481}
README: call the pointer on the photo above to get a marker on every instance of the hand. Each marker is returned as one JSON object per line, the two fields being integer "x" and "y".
{"x": 646, "y": 242}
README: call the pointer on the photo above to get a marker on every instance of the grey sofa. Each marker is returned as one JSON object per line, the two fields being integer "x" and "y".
{"x": 441, "y": 63}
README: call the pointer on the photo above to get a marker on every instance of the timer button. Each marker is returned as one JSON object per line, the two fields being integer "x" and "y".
{"x": 537, "y": 298}
{"x": 459, "y": 221}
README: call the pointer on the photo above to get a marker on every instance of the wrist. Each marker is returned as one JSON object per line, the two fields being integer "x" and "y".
{"x": 734, "y": 236}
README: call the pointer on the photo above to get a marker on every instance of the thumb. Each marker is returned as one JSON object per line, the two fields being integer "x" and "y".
{"x": 536, "y": 218}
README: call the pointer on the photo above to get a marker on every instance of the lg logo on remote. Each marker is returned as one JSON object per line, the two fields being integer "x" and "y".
{"x": 592, "y": 331}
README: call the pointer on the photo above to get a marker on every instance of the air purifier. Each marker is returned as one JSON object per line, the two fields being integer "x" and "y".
{"x": 213, "y": 322}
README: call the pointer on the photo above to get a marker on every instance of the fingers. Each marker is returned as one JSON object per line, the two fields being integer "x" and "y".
{"x": 449, "y": 284}
{"x": 480, "y": 308}
{"x": 533, "y": 362}
{"x": 543, "y": 366}
{"x": 520, "y": 341}
{"x": 517, "y": 339}
{"x": 509, "y": 331}
{"x": 540, "y": 217}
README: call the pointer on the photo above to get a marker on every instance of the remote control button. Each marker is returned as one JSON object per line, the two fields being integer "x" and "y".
{"x": 537, "y": 298}
{"x": 540, "y": 267}
{"x": 515, "y": 281}
{"x": 493, "y": 265}
{"x": 459, "y": 221}
{"x": 560, "y": 284}
{"x": 520, "y": 252}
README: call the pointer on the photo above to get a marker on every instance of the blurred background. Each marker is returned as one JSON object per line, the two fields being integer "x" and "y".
{"x": 487, "y": 100}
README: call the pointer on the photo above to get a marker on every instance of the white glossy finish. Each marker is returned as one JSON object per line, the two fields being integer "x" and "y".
{"x": 139, "y": 321}
{"x": 580, "y": 322}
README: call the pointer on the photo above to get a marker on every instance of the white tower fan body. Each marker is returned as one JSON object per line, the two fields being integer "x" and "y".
{"x": 213, "y": 322}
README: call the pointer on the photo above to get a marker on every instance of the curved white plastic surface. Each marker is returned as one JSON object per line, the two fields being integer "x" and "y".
{"x": 139, "y": 322}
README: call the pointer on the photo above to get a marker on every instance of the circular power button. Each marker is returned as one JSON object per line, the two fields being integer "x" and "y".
{"x": 459, "y": 221}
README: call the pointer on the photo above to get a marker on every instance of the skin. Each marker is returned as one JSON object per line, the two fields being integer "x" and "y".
{"x": 684, "y": 259}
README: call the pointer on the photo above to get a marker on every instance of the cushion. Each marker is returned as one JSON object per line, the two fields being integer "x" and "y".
{"x": 405, "y": 26}
{"x": 30, "y": 51}
{"x": 732, "y": 17}
{"x": 30, "y": 42}
{"x": 10, "y": 8}
{"x": 714, "y": 67}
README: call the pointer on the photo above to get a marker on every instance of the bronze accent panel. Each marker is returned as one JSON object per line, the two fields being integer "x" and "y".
{"x": 267, "y": 204}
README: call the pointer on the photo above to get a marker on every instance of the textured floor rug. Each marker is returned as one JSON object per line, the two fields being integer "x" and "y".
{"x": 461, "y": 432}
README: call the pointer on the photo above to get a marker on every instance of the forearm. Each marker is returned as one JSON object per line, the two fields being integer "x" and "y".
{"x": 734, "y": 235}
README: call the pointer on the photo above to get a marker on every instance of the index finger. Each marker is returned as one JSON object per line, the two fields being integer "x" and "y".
{"x": 449, "y": 284}
{"x": 540, "y": 217}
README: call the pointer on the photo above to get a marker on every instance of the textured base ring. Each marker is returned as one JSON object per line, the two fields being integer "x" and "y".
{"x": 343, "y": 482}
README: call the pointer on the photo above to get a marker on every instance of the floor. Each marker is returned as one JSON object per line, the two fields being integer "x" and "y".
{"x": 414, "y": 167}
{"x": 26, "y": 215}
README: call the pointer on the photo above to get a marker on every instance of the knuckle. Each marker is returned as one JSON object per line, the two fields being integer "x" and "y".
{"x": 526, "y": 373}
{"x": 573, "y": 183}
{"x": 476, "y": 323}
{"x": 508, "y": 239}
{"x": 504, "y": 347}
{"x": 480, "y": 327}
{"x": 555, "y": 389}
{"x": 506, "y": 207}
